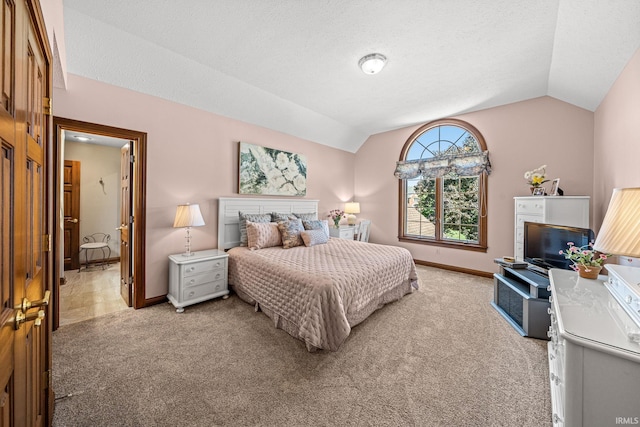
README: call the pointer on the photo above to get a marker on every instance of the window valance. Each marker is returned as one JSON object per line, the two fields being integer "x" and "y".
{"x": 461, "y": 164}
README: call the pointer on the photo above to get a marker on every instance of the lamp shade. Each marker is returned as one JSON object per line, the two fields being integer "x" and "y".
{"x": 188, "y": 216}
{"x": 352, "y": 208}
{"x": 620, "y": 231}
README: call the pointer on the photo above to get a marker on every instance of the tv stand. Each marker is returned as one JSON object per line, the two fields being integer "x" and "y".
{"x": 521, "y": 296}
{"x": 538, "y": 270}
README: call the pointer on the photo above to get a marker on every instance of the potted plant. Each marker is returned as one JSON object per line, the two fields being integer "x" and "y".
{"x": 536, "y": 178}
{"x": 336, "y": 215}
{"x": 586, "y": 261}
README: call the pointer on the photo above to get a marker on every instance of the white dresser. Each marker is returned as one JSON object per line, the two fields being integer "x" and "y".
{"x": 594, "y": 364}
{"x": 197, "y": 278}
{"x": 559, "y": 210}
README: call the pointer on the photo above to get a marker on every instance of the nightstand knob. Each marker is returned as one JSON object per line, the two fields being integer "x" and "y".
{"x": 192, "y": 293}
{"x": 218, "y": 276}
{"x": 192, "y": 281}
{"x": 190, "y": 269}
{"x": 629, "y": 299}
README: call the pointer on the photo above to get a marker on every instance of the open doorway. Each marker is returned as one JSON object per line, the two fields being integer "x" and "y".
{"x": 92, "y": 223}
{"x": 101, "y": 225}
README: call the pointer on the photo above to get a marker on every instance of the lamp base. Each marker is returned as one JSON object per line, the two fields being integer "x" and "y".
{"x": 351, "y": 219}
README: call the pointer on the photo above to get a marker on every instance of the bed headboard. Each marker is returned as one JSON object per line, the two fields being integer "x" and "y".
{"x": 228, "y": 208}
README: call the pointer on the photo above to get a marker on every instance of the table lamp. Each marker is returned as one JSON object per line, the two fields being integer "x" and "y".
{"x": 188, "y": 216}
{"x": 620, "y": 235}
{"x": 350, "y": 209}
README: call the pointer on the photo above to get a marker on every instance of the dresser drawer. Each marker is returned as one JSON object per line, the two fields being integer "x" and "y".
{"x": 201, "y": 267}
{"x": 535, "y": 207}
{"x": 204, "y": 289}
{"x": 199, "y": 279}
{"x": 521, "y": 219}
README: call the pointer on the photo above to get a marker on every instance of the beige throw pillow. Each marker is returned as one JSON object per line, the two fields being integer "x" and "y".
{"x": 263, "y": 235}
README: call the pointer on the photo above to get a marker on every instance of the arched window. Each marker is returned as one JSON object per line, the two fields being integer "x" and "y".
{"x": 443, "y": 171}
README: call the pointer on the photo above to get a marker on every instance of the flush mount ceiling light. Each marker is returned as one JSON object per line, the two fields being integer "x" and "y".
{"x": 82, "y": 138}
{"x": 372, "y": 63}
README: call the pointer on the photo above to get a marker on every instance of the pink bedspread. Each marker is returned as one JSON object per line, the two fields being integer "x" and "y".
{"x": 318, "y": 293}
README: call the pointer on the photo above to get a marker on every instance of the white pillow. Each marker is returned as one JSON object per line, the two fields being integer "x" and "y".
{"x": 263, "y": 235}
{"x": 314, "y": 237}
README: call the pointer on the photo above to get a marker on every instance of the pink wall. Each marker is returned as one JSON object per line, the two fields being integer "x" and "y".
{"x": 193, "y": 157}
{"x": 617, "y": 138}
{"x": 520, "y": 137}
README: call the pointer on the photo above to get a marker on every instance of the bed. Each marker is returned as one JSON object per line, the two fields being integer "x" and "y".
{"x": 316, "y": 293}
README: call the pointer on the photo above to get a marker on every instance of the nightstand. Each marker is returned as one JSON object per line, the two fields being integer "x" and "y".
{"x": 342, "y": 232}
{"x": 197, "y": 278}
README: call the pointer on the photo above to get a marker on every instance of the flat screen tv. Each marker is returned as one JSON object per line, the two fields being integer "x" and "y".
{"x": 543, "y": 243}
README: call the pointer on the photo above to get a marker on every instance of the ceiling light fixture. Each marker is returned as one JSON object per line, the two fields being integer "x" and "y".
{"x": 372, "y": 63}
{"x": 83, "y": 138}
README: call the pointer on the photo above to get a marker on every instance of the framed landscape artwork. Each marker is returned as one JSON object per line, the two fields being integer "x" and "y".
{"x": 268, "y": 171}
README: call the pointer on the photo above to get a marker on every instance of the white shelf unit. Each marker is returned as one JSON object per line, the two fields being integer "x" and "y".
{"x": 571, "y": 211}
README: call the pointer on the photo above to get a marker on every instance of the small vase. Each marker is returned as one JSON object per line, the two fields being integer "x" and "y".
{"x": 591, "y": 274}
{"x": 336, "y": 224}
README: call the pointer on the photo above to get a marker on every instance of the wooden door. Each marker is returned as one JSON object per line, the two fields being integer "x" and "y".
{"x": 126, "y": 223}
{"x": 25, "y": 332}
{"x": 71, "y": 209}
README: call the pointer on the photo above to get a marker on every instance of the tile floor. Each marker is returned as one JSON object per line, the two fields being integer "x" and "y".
{"x": 90, "y": 293}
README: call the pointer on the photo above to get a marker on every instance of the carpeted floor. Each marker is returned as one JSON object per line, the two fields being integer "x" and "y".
{"x": 441, "y": 356}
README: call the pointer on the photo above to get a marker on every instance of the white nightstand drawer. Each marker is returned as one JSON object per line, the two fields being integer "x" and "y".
{"x": 202, "y": 278}
{"x": 203, "y": 290}
{"x": 342, "y": 232}
{"x": 201, "y": 267}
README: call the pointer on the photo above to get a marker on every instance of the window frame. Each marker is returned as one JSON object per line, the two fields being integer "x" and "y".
{"x": 438, "y": 240}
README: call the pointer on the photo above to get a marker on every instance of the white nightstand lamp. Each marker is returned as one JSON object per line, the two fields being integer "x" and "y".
{"x": 620, "y": 235}
{"x": 188, "y": 216}
{"x": 350, "y": 209}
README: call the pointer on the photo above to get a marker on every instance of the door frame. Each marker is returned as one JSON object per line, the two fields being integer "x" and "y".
{"x": 138, "y": 209}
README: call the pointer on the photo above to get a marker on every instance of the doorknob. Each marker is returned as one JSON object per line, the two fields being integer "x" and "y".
{"x": 26, "y": 304}
{"x": 122, "y": 227}
{"x": 23, "y": 318}
{"x": 74, "y": 220}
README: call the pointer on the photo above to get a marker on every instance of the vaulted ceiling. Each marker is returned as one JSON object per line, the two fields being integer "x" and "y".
{"x": 292, "y": 65}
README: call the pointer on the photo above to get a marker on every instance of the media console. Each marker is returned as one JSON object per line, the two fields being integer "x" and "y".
{"x": 521, "y": 296}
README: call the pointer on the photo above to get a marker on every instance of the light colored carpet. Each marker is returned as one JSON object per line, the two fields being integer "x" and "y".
{"x": 441, "y": 356}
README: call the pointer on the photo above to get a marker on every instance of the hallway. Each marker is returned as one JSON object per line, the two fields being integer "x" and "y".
{"x": 90, "y": 293}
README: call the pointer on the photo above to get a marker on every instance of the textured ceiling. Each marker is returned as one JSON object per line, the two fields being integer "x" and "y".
{"x": 291, "y": 65}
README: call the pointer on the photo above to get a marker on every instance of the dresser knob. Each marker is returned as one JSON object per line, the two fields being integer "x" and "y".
{"x": 192, "y": 281}
{"x": 192, "y": 293}
{"x": 190, "y": 269}
{"x": 629, "y": 299}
